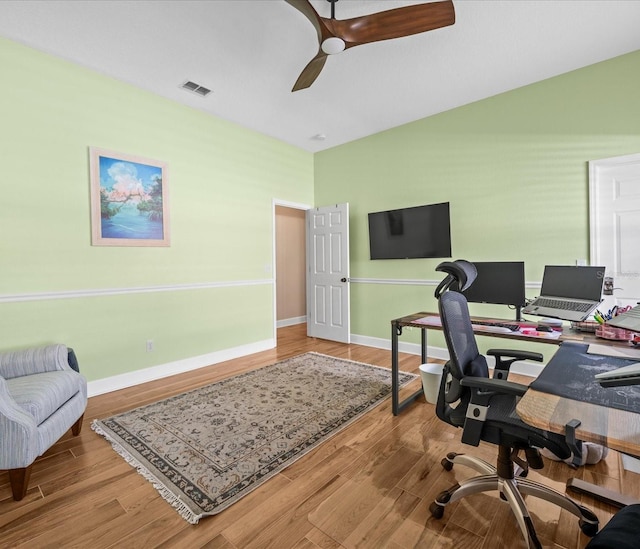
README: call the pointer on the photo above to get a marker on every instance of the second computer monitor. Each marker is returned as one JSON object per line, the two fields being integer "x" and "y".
{"x": 499, "y": 282}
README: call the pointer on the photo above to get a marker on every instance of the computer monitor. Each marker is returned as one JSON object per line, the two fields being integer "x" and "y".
{"x": 498, "y": 282}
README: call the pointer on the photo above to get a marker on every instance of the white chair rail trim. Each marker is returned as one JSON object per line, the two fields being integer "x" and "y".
{"x": 416, "y": 282}
{"x": 97, "y": 292}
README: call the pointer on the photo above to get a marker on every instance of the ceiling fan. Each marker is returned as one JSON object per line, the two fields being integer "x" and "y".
{"x": 335, "y": 35}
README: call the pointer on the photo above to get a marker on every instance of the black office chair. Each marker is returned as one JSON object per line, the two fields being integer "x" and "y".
{"x": 485, "y": 409}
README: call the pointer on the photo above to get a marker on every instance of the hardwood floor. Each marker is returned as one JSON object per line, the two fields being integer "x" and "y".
{"x": 368, "y": 487}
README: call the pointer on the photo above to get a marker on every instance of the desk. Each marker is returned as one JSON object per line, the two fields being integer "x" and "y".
{"x": 411, "y": 320}
{"x": 615, "y": 428}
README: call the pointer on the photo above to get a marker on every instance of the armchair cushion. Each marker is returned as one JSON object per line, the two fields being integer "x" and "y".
{"x": 42, "y": 394}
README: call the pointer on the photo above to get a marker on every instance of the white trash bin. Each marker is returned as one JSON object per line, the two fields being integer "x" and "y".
{"x": 431, "y": 375}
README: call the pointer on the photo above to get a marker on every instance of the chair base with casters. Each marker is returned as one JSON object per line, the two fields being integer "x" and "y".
{"x": 512, "y": 487}
{"x": 485, "y": 409}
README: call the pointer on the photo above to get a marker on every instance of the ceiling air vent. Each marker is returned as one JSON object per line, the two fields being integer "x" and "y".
{"x": 196, "y": 88}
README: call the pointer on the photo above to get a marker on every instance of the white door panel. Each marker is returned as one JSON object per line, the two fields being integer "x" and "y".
{"x": 614, "y": 192}
{"x": 328, "y": 275}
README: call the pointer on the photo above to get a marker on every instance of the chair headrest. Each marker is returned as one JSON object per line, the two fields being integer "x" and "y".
{"x": 461, "y": 274}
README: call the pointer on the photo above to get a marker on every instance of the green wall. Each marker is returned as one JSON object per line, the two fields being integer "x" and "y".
{"x": 222, "y": 181}
{"x": 513, "y": 167}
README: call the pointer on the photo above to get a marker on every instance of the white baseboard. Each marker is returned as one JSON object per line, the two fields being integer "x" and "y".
{"x": 122, "y": 381}
{"x": 291, "y": 321}
{"x": 531, "y": 369}
{"x": 403, "y": 346}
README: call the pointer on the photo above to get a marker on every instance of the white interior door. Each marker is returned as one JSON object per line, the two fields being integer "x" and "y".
{"x": 328, "y": 294}
{"x": 614, "y": 195}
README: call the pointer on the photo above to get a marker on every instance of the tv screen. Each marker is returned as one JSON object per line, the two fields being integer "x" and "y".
{"x": 408, "y": 233}
{"x": 500, "y": 282}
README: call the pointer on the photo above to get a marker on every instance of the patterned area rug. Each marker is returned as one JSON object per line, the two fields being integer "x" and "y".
{"x": 205, "y": 449}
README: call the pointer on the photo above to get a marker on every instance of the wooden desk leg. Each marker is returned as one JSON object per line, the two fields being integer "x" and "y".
{"x": 396, "y": 405}
{"x": 601, "y": 494}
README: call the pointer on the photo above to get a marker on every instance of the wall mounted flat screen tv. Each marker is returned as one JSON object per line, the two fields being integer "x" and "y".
{"x": 500, "y": 282}
{"x": 409, "y": 233}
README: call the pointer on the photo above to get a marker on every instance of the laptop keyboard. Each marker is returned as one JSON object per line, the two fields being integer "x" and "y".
{"x": 563, "y": 305}
{"x": 511, "y": 327}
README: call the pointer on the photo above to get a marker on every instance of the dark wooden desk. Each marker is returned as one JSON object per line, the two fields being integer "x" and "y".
{"x": 398, "y": 324}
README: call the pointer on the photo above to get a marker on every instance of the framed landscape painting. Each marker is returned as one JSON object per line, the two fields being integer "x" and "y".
{"x": 129, "y": 200}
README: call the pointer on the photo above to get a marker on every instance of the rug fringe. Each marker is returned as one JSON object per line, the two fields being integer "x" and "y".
{"x": 175, "y": 502}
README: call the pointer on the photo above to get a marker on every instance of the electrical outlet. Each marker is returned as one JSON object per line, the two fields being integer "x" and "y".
{"x": 149, "y": 345}
{"x": 581, "y": 262}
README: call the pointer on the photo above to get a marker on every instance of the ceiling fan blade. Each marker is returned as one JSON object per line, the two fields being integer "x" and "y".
{"x": 310, "y": 72}
{"x": 314, "y": 67}
{"x": 375, "y": 27}
{"x": 394, "y": 23}
{"x": 305, "y": 7}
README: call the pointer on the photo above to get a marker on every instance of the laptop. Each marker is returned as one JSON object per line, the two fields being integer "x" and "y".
{"x": 629, "y": 320}
{"x": 568, "y": 292}
{"x": 627, "y": 375}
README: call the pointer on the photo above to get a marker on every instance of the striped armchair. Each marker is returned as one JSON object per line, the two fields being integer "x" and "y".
{"x": 41, "y": 398}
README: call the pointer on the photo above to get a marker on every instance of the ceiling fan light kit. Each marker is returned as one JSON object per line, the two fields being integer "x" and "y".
{"x": 333, "y": 45}
{"x": 336, "y": 35}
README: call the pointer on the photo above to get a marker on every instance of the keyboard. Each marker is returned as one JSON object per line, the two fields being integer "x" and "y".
{"x": 508, "y": 326}
{"x": 563, "y": 305}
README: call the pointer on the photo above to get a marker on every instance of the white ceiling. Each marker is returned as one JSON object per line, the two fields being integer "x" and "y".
{"x": 250, "y": 53}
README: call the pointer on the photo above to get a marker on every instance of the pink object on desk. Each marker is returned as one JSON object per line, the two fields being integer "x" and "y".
{"x": 609, "y": 332}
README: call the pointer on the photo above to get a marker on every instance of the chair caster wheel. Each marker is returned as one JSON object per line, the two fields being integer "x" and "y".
{"x": 437, "y": 511}
{"x": 589, "y": 522}
{"x": 588, "y": 528}
{"x": 446, "y": 464}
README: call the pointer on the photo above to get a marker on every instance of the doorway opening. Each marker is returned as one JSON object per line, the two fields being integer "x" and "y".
{"x": 289, "y": 260}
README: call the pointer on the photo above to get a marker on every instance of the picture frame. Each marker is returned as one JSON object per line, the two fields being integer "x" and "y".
{"x": 129, "y": 200}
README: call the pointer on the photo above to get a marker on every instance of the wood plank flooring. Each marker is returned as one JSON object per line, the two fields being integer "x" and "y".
{"x": 368, "y": 487}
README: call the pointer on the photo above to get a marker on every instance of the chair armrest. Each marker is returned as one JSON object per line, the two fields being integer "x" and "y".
{"x": 502, "y": 367}
{"x": 517, "y": 354}
{"x": 35, "y": 360}
{"x": 489, "y": 387}
{"x": 18, "y": 433}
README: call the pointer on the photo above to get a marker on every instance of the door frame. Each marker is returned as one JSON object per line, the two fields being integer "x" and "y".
{"x": 595, "y": 166}
{"x": 285, "y": 204}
